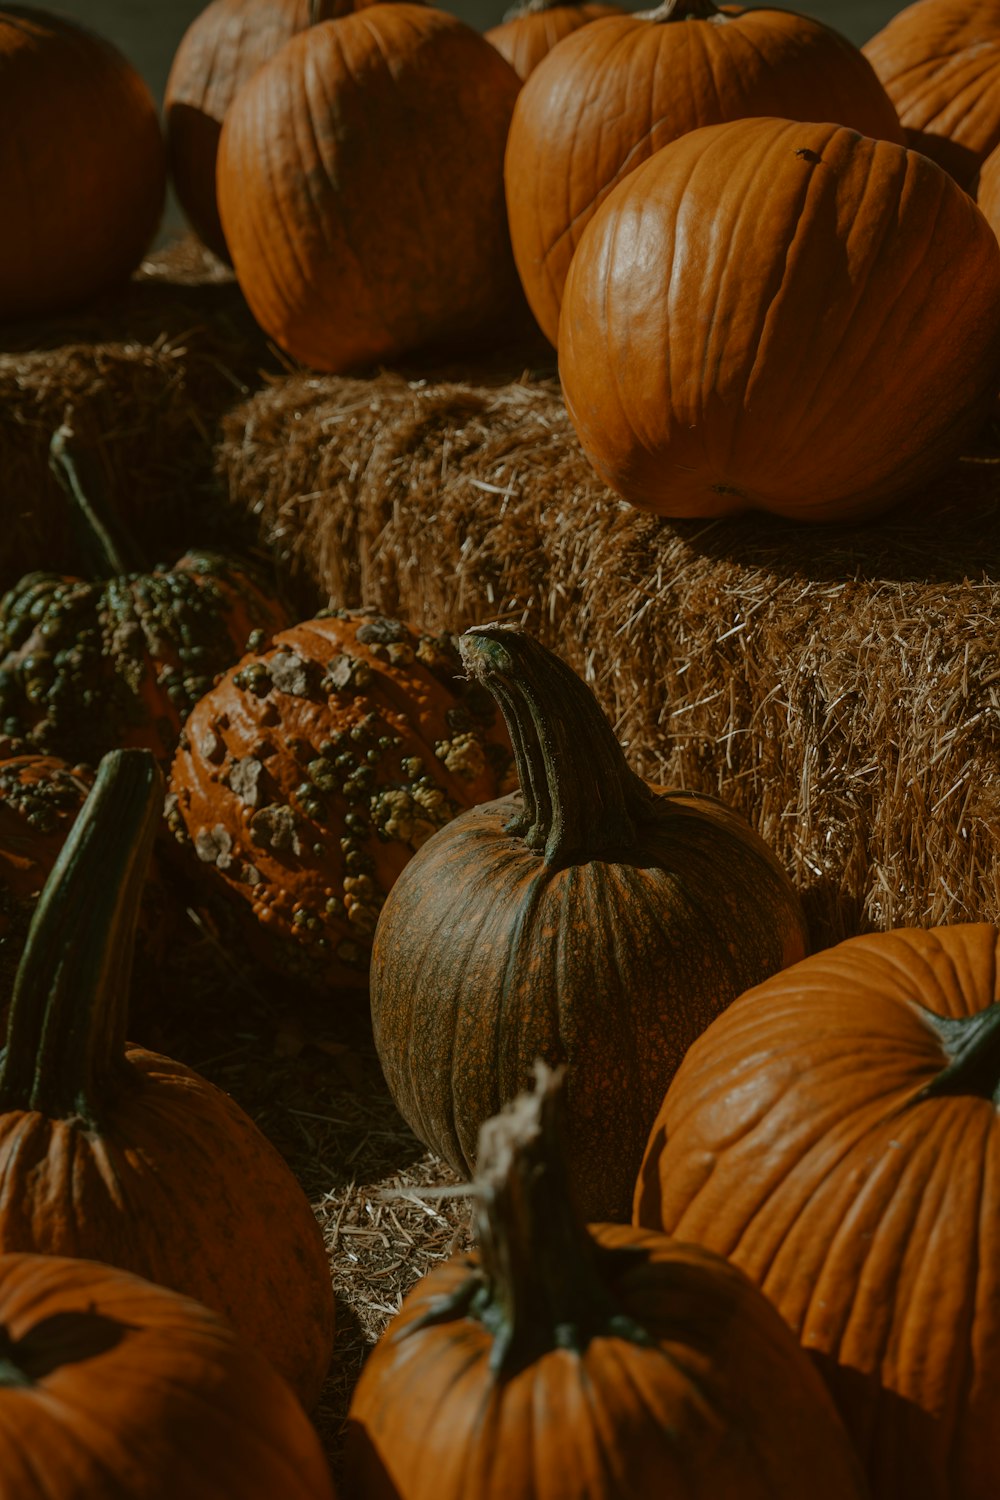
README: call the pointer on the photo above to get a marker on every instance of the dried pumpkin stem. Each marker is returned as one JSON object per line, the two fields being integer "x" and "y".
{"x": 580, "y": 797}
{"x": 108, "y": 547}
{"x": 65, "y": 1053}
{"x": 680, "y": 10}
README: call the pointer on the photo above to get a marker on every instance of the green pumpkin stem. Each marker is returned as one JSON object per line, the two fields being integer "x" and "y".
{"x": 65, "y": 1053}
{"x": 972, "y": 1046}
{"x": 580, "y": 797}
{"x": 108, "y": 547}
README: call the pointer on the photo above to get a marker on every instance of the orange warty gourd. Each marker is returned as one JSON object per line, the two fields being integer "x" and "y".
{"x": 360, "y": 186}
{"x": 835, "y": 1134}
{"x": 939, "y": 61}
{"x": 781, "y": 317}
{"x": 616, "y": 91}
{"x": 530, "y": 30}
{"x": 560, "y": 1362}
{"x": 111, "y": 1386}
{"x": 82, "y": 164}
{"x": 221, "y": 49}
{"x": 110, "y": 1152}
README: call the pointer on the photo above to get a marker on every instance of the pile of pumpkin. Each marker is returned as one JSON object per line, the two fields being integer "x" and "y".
{"x": 758, "y": 309}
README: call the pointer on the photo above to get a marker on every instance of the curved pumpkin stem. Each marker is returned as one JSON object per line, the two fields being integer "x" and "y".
{"x": 972, "y": 1046}
{"x": 65, "y": 1053}
{"x": 108, "y": 546}
{"x": 680, "y": 10}
{"x": 580, "y": 797}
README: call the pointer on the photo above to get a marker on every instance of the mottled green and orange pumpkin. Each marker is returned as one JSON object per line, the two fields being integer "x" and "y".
{"x": 835, "y": 1135}
{"x": 309, "y": 775}
{"x": 591, "y": 919}
{"x": 560, "y": 1362}
{"x": 113, "y": 1153}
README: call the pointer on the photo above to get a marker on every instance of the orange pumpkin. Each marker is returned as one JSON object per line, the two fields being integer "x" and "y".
{"x": 360, "y": 187}
{"x": 835, "y": 1134}
{"x": 616, "y": 91}
{"x": 82, "y": 164}
{"x": 939, "y": 61}
{"x": 780, "y": 317}
{"x": 530, "y": 30}
{"x": 988, "y": 190}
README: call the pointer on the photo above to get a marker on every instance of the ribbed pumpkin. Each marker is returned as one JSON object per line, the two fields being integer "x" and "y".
{"x": 529, "y": 31}
{"x": 120, "y": 659}
{"x": 781, "y": 317}
{"x": 308, "y": 776}
{"x": 111, "y": 1387}
{"x": 988, "y": 191}
{"x": 559, "y": 1363}
{"x": 113, "y": 1153}
{"x": 360, "y": 186}
{"x": 82, "y": 164}
{"x": 590, "y": 919}
{"x": 939, "y": 61}
{"x": 221, "y": 49}
{"x": 835, "y": 1134}
{"x": 616, "y": 91}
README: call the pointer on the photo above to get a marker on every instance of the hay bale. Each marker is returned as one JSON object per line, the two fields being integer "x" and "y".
{"x": 145, "y": 375}
{"x": 839, "y": 685}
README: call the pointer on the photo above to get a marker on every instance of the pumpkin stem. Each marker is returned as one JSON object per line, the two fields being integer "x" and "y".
{"x": 680, "y": 10}
{"x": 538, "y": 7}
{"x": 580, "y": 798}
{"x": 972, "y": 1047}
{"x": 108, "y": 547}
{"x": 65, "y": 1053}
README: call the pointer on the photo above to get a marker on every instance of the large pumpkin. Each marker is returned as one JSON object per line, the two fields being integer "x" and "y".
{"x": 113, "y": 1387}
{"x": 614, "y": 92}
{"x": 529, "y": 31}
{"x": 112, "y": 1153}
{"x": 591, "y": 919}
{"x": 360, "y": 186}
{"x": 835, "y": 1134}
{"x": 559, "y": 1363}
{"x": 308, "y": 776}
{"x": 782, "y": 317}
{"x": 223, "y": 47}
{"x": 939, "y": 61}
{"x": 82, "y": 164}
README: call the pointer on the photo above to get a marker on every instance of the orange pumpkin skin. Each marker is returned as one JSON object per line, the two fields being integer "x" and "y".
{"x": 221, "y": 49}
{"x": 615, "y": 92}
{"x": 113, "y": 1387}
{"x": 988, "y": 191}
{"x": 939, "y": 61}
{"x": 529, "y": 32}
{"x": 360, "y": 187}
{"x": 82, "y": 164}
{"x": 821, "y": 1135}
{"x": 310, "y": 774}
{"x": 780, "y": 317}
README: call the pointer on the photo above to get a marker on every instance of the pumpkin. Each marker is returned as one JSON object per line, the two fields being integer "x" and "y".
{"x": 562, "y": 1362}
{"x": 223, "y": 47}
{"x": 360, "y": 188}
{"x": 988, "y": 190}
{"x": 82, "y": 164}
{"x": 616, "y": 91}
{"x": 110, "y": 1152}
{"x": 121, "y": 658}
{"x": 590, "y": 919}
{"x": 939, "y": 61}
{"x": 308, "y": 776}
{"x": 110, "y": 1386}
{"x": 835, "y": 1134}
{"x": 780, "y": 317}
{"x": 529, "y": 31}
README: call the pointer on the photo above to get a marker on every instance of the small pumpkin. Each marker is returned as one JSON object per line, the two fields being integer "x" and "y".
{"x": 616, "y": 91}
{"x": 360, "y": 189}
{"x": 113, "y": 1153}
{"x": 835, "y": 1134}
{"x": 530, "y": 30}
{"x": 120, "y": 659}
{"x": 306, "y": 779}
{"x": 939, "y": 62}
{"x": 110, "y": 1385}
{"x": 82, "y": 164}
{"x": 590, "y": 919}
{"x": 783, "y": 317}
{"x": 224, "y": 46}
{"x": 560, "y": 1362}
